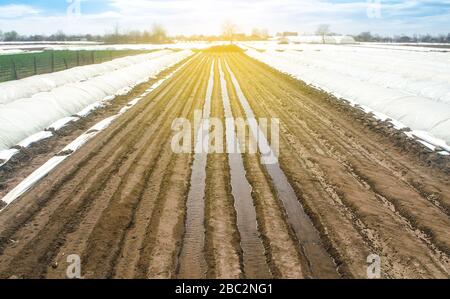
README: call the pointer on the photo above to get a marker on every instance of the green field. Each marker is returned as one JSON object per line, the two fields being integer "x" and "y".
{"x": 18, "y": 66}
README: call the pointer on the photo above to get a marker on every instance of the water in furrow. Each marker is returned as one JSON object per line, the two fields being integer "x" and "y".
{"x": 254, "y": 260}
{"x": 320, "y": 263}
{"x": 192, "y": 262}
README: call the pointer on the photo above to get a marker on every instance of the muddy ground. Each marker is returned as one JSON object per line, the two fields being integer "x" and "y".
{"x": 121, "y": 202}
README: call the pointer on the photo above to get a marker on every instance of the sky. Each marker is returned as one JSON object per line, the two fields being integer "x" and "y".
{"x": 387, "y": 17}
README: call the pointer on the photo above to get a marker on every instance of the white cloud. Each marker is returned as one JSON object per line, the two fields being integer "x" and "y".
{"x": 17, "y": 11}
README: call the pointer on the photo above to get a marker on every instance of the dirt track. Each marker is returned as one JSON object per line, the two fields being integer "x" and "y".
{"x": 122, "y": 202}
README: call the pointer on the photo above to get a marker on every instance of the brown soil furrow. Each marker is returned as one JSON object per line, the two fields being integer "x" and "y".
{"x": 401, "y": 216}
{"x": 89, "y": 192}
{"x": 405, "y": 200}
{"x": 60, "y": 215}
{"x": 162, "y": 239}
{"x": 223, "y": 251}
{"x": 346, "y": 187}
{"x": 32, "y": 157}
{"x": 118, "y": 214}
{"x": 306, "y": 190}
{"x": 397, "y": 163}
{"x": 253, "y": 261}
{"x": 280, "y": 247}
{"x": 119, "y": 217}
{"x": 307, "y": 142}
{"x": 22, "y": 211}
{"x": 168, "y": 236}
{"x": 432, "y": 233}
{"x": 438, "y": 256}
{"x": 319, "y": 263}
{"x": 192, "y": 261}
{"x": 133, "y": 241}
{"x": 123, "y": 186}
{"x": 316, "y": 154}
{"x": 345, "y": 200}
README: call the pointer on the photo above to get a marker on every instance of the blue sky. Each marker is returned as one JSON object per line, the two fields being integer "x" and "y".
{"x": 206, "y": 16}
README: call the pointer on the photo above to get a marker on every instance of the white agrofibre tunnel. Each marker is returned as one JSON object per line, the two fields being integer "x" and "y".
{"x": 317, "y": 39}
{"x": 410, "y": 87}
{"x": 14, "y": 90}
{"x": 60, "y": 95}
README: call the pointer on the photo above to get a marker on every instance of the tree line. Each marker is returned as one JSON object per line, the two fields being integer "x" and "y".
{"x": 424, "y": 38}
{"x": 158, "y": 35}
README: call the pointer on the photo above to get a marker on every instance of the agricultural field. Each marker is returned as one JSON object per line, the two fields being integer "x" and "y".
{"x": 26, "y": 64}
{"x": 122, "y": 190}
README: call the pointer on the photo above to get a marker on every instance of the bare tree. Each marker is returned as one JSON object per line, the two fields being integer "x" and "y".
{"x": 159, "y": 34}
{"x": 262, "y": 34}
{"x": 323, "y": 30}
{"x": 265, "y": 33}
{"x": 60, "y": 35}
{"x": 229, "y": 30}
{"x": 365, "y": 37}
{"x": 116, "y": 33}
{"x": 256, "y": 32}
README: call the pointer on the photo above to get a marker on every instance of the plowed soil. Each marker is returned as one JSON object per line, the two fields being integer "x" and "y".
{"x": 122, "y": 201}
